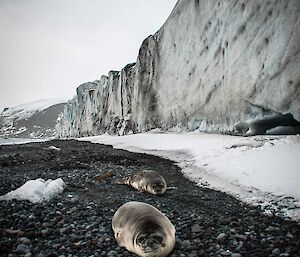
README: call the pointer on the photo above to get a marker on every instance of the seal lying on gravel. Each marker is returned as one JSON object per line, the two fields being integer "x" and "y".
{"x": 146, "y": 180}
{"x": 144, "y": 230}
{"x": 261, "y": 126}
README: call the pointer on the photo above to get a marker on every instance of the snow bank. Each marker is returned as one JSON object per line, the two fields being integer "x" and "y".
{"x": 24, "y": 111}
{"x": 260, "y": 170}
{"x": 37, "y": 190}
{"x": 18, "y": 141}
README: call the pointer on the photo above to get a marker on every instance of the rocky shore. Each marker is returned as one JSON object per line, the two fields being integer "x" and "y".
{"x": 78, "y": 222}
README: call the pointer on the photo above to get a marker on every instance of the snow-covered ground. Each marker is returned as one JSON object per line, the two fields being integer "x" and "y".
{"x": 36, "y": 119}
{"x": 17, "y": 141}
{"x": 260, "y": 170}
{"x": 24, "y": 111}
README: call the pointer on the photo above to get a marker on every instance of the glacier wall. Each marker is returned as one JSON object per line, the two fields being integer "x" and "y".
{"x": 212, "y": 64}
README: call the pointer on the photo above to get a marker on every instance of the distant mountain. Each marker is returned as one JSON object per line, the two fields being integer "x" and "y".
{"x": 32, "y": 120}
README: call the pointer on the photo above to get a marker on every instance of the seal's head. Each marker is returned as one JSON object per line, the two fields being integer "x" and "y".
{"x": 241, "y": 127}
{"x": 158, "y": 187}
{"x": 150, "y": 242}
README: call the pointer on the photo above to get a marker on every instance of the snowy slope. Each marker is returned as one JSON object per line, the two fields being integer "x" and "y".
{"x": 35, "y": 119}
{"x": 259, "y": 170}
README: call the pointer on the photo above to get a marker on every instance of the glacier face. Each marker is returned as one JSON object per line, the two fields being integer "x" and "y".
{"x": 212, "y": 64}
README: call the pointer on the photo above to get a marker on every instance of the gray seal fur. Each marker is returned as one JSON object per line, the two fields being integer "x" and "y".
{"x": 144, "y": 230}
{"x": 146, "y": 181}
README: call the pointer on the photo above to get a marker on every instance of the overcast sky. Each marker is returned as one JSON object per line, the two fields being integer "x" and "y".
{"x": 49, "y": 47}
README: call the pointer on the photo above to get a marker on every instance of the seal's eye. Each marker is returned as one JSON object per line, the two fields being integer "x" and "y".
{"x": 157, "y": 186}
{"x": 141, "y": 239}
{"x": 158, "y": 239}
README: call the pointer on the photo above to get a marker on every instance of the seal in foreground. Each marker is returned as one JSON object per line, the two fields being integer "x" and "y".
{"x": 144, "y": 230}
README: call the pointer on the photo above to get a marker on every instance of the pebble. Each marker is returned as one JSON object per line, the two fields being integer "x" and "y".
{"x": 221, "y": 237}
{"x": 271, "y": 228}
{"x": 63, "y": 231}
{"x": 63, "y": 228}
{"x": 196, "y": 228}
{"x": 226, "y": 253}
{"x": 239, "y": 247}
{"x": 24, "y": 240}
{"x": 276, "y": 251}
{"x": 22, "y": 249}
{"x": 240, "y": 237}
{"x": 185, "y": 243}
{"x": 45, "y": 232}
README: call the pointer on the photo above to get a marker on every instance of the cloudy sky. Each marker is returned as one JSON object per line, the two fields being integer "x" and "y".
{"x": 49, "y": 47}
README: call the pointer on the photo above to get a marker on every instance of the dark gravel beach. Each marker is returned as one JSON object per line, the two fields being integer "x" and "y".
{"x": 78, "y": 222}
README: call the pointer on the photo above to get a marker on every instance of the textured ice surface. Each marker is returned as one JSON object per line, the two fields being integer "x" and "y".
{"x": 211, "y": 64}
{"x": 37, "y": 190}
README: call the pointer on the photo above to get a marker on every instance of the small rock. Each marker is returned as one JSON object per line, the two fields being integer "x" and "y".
{"x": 75, "y": 199}
{"x": 31, "y": 217}
{"x": 241, "y": 237}
{"x": 196, "y": 228}
{"x": 13, "y": 232}
{"x": 276, "y": 251}
{"x": 24, "y": 240}
{"x": 239, "y": 247}
{"x": 45, "y": 232}
{"x": 56, "y": 246}
{"x": 22, "y": 248}
{"x": 221, "y": 237}
{"x": 236, "y": 255}
{"x": 63, "y": 231}
{"x": 74, "y": 237}
{"x": 226, "y": 253}
{"x": 112, "y": 253}
{"x": 185, "y": 243}
{"x": 271, "y": 228}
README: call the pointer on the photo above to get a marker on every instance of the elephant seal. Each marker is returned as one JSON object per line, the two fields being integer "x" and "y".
{"x": 144, "y": 230}
{"x": 262, "y": 126}
{"x": 146, "y": 181}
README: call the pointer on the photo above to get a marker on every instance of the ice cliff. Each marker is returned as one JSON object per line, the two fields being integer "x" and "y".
{"x": 211, "y": 64}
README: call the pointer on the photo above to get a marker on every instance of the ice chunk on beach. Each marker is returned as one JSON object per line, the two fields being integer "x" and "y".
{"x": 37, "y": 191}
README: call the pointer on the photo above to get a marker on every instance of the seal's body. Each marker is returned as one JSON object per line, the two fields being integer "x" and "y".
{"x": 144, "y": 230}
{"x": 261, "y": 126}
{"x": 146, "y": 181}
